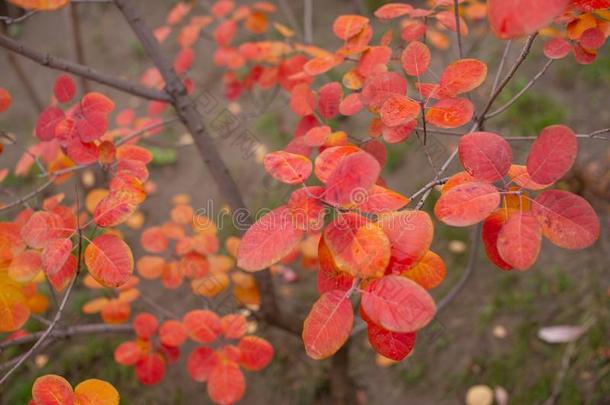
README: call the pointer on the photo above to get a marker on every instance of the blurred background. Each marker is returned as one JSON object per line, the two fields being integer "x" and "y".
{"x": 487, "y": 335}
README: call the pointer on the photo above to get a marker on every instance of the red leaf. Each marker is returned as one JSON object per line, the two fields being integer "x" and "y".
{"x": 491, "y": 229}
{"x": 552, "y": 154}
{"x": 255, "y": 353}
{"x": 380, "y": 199}
{"x": 150, "y": 369}
{"x": 270, "y": 239}
{"x": 557, "y": 48}
{"x": 42, "y": 227}
{"x": 328, "y": 100}
{"x": 351, "y": 104}
{"x": 234, "y": 326}
{"x": 398, "y": 304}
{"x": 567, "y": 220}
{"x": 64, "y": 88}
{"x": 302, "y": 99}
{"x": 145, "y": 325}
{"x": 184, "y": 60}
{"x": 519, "y": 240}
{"x": 450, "y": 113}
{"x": 462, "y": 76}
{"x": 393, "y": 345}
{"x": 109, "y": 260}
{"x": 127, "y": 353}
{"x": 226, "y": 384}
{"x": 47, "y": 121}
{"x": 287, "y": 167}
{"x": 358, "y": 246}
{"x": 55, "y": 254}
{"x": 447, "y": 20}
{"x": 5, "y": 99}
{"x": 515, "y": 18}
{"x": 467, "y": 204}
{"x": 307, "y": 208}
{"x": 374, "y": 60}
{"x": 201, "y": 362}
{"x": 329, "y": 159}
{"x": 96, "y": 102}
{"x": 62, "y": 277}
{"x": 114, "y": 209}
{"x": 172, "y": 333}
{"x": 379, "y": 87}
{"x": 593, "y": 38}
{"x": 355, "y": 174}
{"x": 485, "y": 156}
{"x": 399, "y": 133}
{"x": 410, "y": 234}
{"x": 328, "y": 325}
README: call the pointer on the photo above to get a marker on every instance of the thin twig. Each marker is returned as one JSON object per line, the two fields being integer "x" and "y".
{"x": 456, "y": 11}
{"x": 30, "y": 195}
{"x": 308, "y": 21}
{"x": 503, "y": 60}
{"x": 520, "y": 93}
{"x": 56, "y": 63}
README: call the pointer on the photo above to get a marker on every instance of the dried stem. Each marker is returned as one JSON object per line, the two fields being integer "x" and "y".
{"x": 77, "y": 38}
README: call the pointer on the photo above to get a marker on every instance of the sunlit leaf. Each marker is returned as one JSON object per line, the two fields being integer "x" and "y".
{"x": 14, "y": 311}
{"x": 52, "y": 389}
{"x": 462, "y": 76}
{"x": 96, "y": 392}
{"x": 450, "y": 113}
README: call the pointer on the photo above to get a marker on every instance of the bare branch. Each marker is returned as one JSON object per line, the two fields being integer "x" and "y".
{"x": 30, "y": 195}
{"x": 77, "y": 40}
{"x": 56, "y": 63}
{"x": 456, "y": 11}
{"x": 520, "y": 93}
{"x": 503, "y": 60}
{"x": 187, "y": 112}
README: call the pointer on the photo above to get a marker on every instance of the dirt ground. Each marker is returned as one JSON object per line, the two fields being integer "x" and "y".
{"x": 488, "y": 333}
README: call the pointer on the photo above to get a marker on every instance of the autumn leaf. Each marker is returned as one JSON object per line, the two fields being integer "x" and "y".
{"x": 328, "y": 325}
{"x": 109, "y": 260}
{"x": 485, "y": 156}
{"x": 288, "y": 167}
{"x": 96, "y": 392}
{"x": 52, "y": 389}
{"x": 255, "y": 353}
{"x": 467, "y": 204}
{"x": 552, "y": 154}
{"x": 355, "y": 174}
{"x": 226, "y": 383}
{"x": 519, "y": 240}
{"x": 515, "y": 18}
{"x": 462, "y": 76}
{"x": 271, "y": 238}
{"x": 393, "y": 345}
{"x": 398, "y": 304}
{"x": 450, "y": 113}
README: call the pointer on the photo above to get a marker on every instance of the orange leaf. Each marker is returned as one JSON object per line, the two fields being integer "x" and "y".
{"x": 393, "y": 10}
{"x": 467, "y": 204}
{"x": 398, "y": 304}
{"x": 114, "y": 209}
{"x": 44, "y": 5}
{"x": 552, "y": 154}
{"x": 518, "y": 174}
{"x": 485, "y": 156}
{"x": 201, "y": 362}
{"x": 267, "y": 241}
{"x": 43, "y": 227}
{"x": 234, "y": 326}
{"x": 14, "y": 311}
{"x": 25, "y": 266}
{"x": 519, "y": 240}
{"x": 109, "y": 260}
{"x": 462, "y": 76}
{"x": 328, "y": 325}
{"x": 398, "y": 110}
{"x": 347, "y": 26}
{"x": 329, "y": 159}
{"x": 288, "y": 167}
{"x": 415, "y": 58}
{"x": 202, "y": 325}
{"x": 450, "y": 113}
{"x": 380, "y": 199}
{"x": 96, "y": 392}
{"x": 172, "y": 333}
{"x": 145, "y": 325}
{"x": 429, "y": 272}
{"x": 567, "y": 220}
{"x": 52, "y": 389}
{"x": 358, "y": 246}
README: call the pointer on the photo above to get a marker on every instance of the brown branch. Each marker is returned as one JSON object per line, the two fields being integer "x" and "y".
{"x": 56, "y": 63}
{"x": 77, "y": 40}
{"x": 520, "y": 93}
{"x": 78, "y": 330}
{"x": 29, "y": 196}
{"x": 456, "y": 13}
{"x": 187, "y": 112}
{"x": 341, "y": 384}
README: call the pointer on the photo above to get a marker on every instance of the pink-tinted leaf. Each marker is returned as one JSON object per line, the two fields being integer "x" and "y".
{"x": 64, "y": 88}
{"x": 109, "y": 260}
{"x": 327, "y": 161}
{"x": 47, "y": 121}
{"x": 557, "y": 48}
{"x": 355, "y": 174}
{"x": 450, "y": 113}
{"x": 515, "y": 18}
{"x": 288, "y": 167}
{"x": 398, "y": 110}
{"x": 415, "y": 58}
{"x": 226, "y": 383}
{"x": 255, "y": 353}
{"x": 201, "y": 362}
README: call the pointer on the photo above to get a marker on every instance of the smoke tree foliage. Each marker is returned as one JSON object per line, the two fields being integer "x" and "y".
{"x": 342, "y": 220}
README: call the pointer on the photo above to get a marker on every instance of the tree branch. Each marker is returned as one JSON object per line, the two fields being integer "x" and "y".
{"x": 56, "y": 63}
{"x": 456, "y": 11}
{"x": 187, "y": 112}
{"x": 30, "y": 195}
